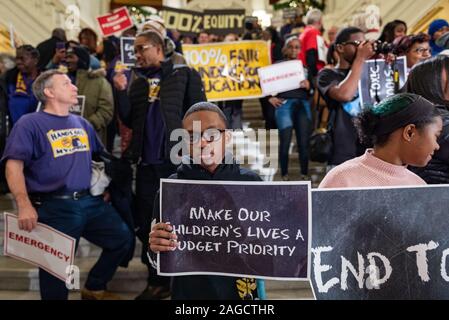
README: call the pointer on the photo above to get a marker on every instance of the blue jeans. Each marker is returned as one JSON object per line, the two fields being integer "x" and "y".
{"x": 98, "y": 222}
{"x": 294, "y": 114}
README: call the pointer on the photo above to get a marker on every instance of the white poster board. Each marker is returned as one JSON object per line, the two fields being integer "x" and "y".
{"x": 281, "y": 77}
{"x": 44, "y": 247}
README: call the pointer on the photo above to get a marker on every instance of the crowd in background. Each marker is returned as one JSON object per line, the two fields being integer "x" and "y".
{"x": 144, "y": 105}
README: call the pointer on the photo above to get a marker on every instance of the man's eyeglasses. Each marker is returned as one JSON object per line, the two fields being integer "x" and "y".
{"x": 353, "y": 43}
{"x": 210, "y": 135}
{"x": 140, "y": 49}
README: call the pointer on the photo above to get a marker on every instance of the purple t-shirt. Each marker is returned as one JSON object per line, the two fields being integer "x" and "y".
{"x": 56, "y": 151}
{"x": 154, "y": 140}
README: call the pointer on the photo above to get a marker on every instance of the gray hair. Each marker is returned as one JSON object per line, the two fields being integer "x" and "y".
{"x": 206, "y": 106}
{"x": 313, "y": 16}
{"x": 42, "y": 82}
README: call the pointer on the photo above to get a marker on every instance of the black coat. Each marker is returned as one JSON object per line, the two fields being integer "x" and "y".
{"x": 205, "y": 287}
{"x": 437, "y": 171}
{"x": 46, "y": 50}
{"x": 181, "y": 87}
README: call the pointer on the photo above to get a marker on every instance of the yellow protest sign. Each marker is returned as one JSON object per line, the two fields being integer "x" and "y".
{"x": 229, "y": 69}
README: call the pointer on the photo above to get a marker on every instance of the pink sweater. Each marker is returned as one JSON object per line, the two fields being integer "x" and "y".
{"x": 369, "y": 171}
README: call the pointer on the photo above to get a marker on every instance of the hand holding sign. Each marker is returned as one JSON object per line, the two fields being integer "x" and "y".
{"x": 305, "y": 84}
{"x": 162, "y": 239}
{"x": 120, "y": 81}
{"x": 27, "y": 217}
{"x": 276, "y": 102}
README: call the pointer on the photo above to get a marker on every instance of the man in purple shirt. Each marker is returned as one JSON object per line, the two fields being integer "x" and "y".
{"x": 48, "y": 168}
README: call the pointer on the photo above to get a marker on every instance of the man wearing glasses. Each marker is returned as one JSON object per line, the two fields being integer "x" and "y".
{"x": 339, "y": 88}
{"x": 153, "y": 107}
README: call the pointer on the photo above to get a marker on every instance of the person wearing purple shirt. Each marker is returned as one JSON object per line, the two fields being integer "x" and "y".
{"x": 48, "y": 168}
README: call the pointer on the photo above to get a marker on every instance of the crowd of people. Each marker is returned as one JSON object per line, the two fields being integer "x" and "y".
{"x": 47, "y": 155}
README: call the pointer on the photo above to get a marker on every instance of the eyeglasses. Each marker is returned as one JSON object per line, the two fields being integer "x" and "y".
{"x": 295, "y": 47}
{"x": 140, "y": 49}
{"x": 423, "y": 50}
{"x": 210, "y": 135}
{"x": 353, "y": 43}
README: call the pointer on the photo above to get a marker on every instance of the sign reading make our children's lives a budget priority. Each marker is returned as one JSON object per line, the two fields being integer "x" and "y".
{"x": 227, "y": 228}
{"x": 384, "y": 243}
{"x": 229, "y": 70}
{"x": 44, "y": 247}
{"x": 281, "y": 77}
{"x": 117, "y": 21}
{"x": 381, "y": 80}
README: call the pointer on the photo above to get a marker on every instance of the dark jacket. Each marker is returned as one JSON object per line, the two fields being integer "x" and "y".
{"x": 209, "y": 287}
{"x": 99, "y": 104}
{"x": 46, "y": 50}
{"x": 181, "y": 87}
{"x": 437, "y": 170}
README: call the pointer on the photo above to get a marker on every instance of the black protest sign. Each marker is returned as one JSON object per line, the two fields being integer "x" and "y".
{"x": 185, "y": 21}
{"x": 228, "y": 228}
{"x": 78, "y": 109}
{"x": 381, "y": 80}
{"x": 128, "y": 57}
{"x": 381, "y": 244}
{"x": 222, "y": 22}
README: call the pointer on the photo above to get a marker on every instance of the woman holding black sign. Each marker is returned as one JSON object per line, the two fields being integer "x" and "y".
{"x": 403, "y": 130}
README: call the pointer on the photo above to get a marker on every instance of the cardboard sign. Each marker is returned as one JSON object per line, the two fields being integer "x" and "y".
{"x": 44, "y": 247}
{"x": 381, "y": 244}
{"x": 281, "y": 77}
{"x": 226, "y": 228}
{"x": 322, "y": 49}
{"x": 223, "y": 22}
{"x": 77, "y": 109}
{"x": 381, "y": 80}
{"x": 220, "y": 22}
{"x": 229, "y": 69}
{"x": 118, "y": 21}
{"x": 128, "y": 58}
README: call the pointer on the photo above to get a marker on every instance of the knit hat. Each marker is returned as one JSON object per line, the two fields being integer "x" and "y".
{"x": 156, "y": 26}
{"x": 437, "y": 25}
{"x": 83, "y": 56}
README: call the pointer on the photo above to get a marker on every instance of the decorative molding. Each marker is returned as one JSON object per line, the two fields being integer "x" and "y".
{"x": 201, "y": 5}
